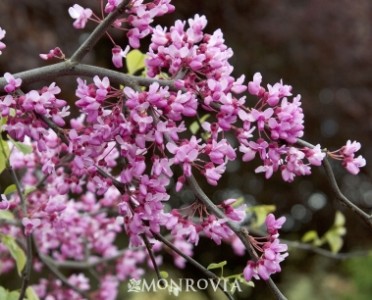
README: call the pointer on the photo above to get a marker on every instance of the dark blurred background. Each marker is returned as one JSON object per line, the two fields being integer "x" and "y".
{"x": 323, "y": 49}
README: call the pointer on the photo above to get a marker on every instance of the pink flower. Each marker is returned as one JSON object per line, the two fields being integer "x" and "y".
{"x": 219, "y": 151}
{"x": 315, "y": 155}
{"x": 260, "y": 117}
{"x": 30, "y": 225}
{"x": 276, "y": 92}
{"x": 6, "y": 104}
{"x": 108, "y": 289}
{"x": 185, "y": 154}
{"x": 354, "y": 164}
{"x": 273, "y": 225}
{"x": 287, "y": 122}
{"x": 80, "y": 14}
{"x": 13, "y": 83}
{"x": 248, "y": 152}
{"x": 2, "y": 35}
{"x": 118, "y": 54}
{"x": 103, "y": 87}
{"x": 80, "y": 281}
{"x": 4, "y": 203}
{"x": 350, "y": 148}
{"x": 254, "y": 87}
{"x": 111, "y": 5}
{"x": 234, "y": 213}
{"x": 53, "y": 53}
{"x": 212, "y": 173}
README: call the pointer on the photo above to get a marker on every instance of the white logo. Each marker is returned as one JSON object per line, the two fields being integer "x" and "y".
{"x": 134, "y": 285}
{"x": 174, "y": 286}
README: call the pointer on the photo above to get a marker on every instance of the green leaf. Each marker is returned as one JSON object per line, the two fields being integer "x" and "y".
{"x": 217, "y": 265}
{"x": 29, "y": 190}
{"x": 3, "y": 121}
{"x": 339, "y": 219}
{"x": 14, "y": 295}
{"x": 15, "y": 251}
{"x": 239, "y": 201}
{"x": 31, "y": 295}
{"x": 194, "y": 127}
{"x": 164, "y": 274}
{"x": 310, "y": 236}
{"x": 10, "y": 189}
{"x": 6, "y": 215}
{"x": 335, "y": 241}
{"x": 3, "y": 293}
{"x": 135, "y": 61}
{"x": 25, "y": 149}
{"x": 334, "y": 235}
{"x": 261, "y": 211}
{"x": 4, "y": 154}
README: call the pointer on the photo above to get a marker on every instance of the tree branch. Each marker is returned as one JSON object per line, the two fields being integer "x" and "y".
{"x": 67, "y": 68}
{"x": 52, "y": 267}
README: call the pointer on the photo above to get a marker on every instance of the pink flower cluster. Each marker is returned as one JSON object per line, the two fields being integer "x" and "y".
{"x": 272, "y": 252}
{"x": 23, "y": 112}
{"x": 347, "y": 155}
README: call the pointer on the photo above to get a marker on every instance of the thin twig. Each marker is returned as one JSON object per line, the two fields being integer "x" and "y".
{"x": 97, "y": 33}
{"x": 151, "y": 254}
{"x": 52, "y": 267}
{"x": 324, "y": 252}
{"x": 26, "y": 272}
{"x": 54, "y": 126}
{"x": 193, "y": 262}
{"x": 87, "y": 264}
{"x": 336, "y": 189}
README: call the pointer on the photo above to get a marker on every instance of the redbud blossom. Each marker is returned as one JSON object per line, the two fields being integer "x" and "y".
{"x": 272, "y": 252}
{"x": 4, "y": 203}
{"x": 80, "y": 14}
{"x": 118, "y": 54}
{"x": 53, "y": 53}
{"x": 13, "y": 83}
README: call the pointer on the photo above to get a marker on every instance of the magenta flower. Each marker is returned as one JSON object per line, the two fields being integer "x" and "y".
{"x": 30, "y": 225}
{"x": 13, "y": 83}
{"x": 111, "y": 5}
{"x": 254, "y": 87}
{"x": 273, "y": 225}
{"x": 212, "y": 173}
{"x": 350, "y": 148}
{"x": 53, "y": 53}
{"x": 118, "y": 54}
{"x": 354, "y": 164}
{"x": 80, "y": 14}
{"x": 4, "y": 203}
{"x": 315, "y": 155}
{"x": 185, "y": 154}
{"x": 6, "y": 104}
